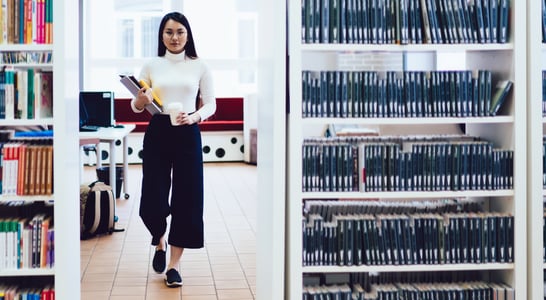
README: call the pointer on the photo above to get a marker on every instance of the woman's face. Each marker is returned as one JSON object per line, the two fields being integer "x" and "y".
{"x": 175, "y": 36}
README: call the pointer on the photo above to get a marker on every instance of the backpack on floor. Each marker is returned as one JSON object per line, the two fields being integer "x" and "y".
{"x": 97, "y": 210}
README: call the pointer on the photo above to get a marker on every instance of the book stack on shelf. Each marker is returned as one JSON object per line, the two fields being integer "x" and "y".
{"x": 437, "y": 190}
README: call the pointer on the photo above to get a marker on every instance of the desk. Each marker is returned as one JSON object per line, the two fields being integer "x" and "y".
{"x": 111, "y": 135}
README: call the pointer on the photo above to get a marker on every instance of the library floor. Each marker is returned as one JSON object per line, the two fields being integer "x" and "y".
{"x": 118, "y": 266}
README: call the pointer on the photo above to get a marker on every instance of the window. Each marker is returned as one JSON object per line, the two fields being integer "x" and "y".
{"x": 119, "y": 36}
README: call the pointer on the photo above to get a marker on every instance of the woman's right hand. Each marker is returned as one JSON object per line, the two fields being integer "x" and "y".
{"x": 143, "y": 98}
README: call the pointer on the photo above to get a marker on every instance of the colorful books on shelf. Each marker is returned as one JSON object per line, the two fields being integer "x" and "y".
{"x": 27, "y": 166}
{"x": 29, "y": 242}
{"x": 26, "y": 22}
{"x": 26, "y": 93}
{"x": 133, "y": 85}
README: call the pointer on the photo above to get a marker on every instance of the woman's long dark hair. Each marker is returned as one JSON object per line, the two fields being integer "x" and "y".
{"x": 180, "y": 18}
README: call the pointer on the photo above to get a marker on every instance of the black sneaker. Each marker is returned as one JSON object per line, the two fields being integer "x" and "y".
{"x": 159, "y": 261}
{"x": 172, "y": 278}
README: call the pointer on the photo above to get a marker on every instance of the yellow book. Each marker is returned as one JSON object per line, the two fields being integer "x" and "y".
{"x": 156, "y": 98}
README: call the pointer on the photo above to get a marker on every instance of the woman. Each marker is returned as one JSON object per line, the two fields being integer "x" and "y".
{"x": 177, "y": 75}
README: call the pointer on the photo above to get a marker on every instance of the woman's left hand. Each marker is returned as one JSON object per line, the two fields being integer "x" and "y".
{"x": 184, "y": 118}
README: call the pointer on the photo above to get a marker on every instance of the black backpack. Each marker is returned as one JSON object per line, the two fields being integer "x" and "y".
{"x": 97, "y": 210}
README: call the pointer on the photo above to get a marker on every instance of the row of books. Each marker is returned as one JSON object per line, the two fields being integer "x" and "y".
{"x": 27, "y": 167}
{"x": 408, "y": 239}
{"x": 17, "y": 292}
{"x": 350, "y": 94}
{"x": 544, "y": 92}
{"x": 26, "y": 22}
{"x": 26, "y": 57}
{"x": 370, "y": 164}
{"x": 26, "y": 93}
{"x": 405, "y": 21}
{"x": 544, "y": 161}
{"x": 544, "y": 21}
{"x": 329, "y": 207}
{"x": 28, "y": 243}
{"x": 479, "y": 290}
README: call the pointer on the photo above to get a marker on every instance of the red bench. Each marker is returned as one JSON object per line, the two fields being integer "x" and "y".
{"x": 228, "y": 115}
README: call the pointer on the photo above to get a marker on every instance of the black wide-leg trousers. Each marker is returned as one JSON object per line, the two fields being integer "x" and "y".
{"x": 175, "y": 149}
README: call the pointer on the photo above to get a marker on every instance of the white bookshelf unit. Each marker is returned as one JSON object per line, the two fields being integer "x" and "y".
{"x": 62, "y": 201}
{"x": 507, "y": 131}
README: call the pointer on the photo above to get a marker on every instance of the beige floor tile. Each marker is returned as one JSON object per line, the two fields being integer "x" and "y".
{"x": 196, "y": 290}
{"x": 166, "y": 294}
{"x": 200, "y": 297}
{"x": 231, "y": 284}
{"x": 128, "y": 290}
{"x": 96, "y": 286}
{"x": 235, "y": 294}
{"x": 131, "y": 297}
{"x": 198, "y": 280}
{"x": 95, "y": 295}
{"x": 130, "y": 281}
{"x": 228, "y": 275}
{"x": 90, "y": 278}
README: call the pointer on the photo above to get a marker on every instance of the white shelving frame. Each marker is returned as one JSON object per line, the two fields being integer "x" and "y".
{"x": 66, "y": 272}
{"x": 536, "y": 62}
{"x": 507, "y": 61}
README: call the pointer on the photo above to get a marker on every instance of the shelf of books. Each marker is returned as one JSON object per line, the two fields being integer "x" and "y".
{"x": 32, "y": 195}
{"x": 404, "y": 134}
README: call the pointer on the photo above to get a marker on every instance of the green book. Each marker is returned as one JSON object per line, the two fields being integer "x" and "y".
{"x": 501, "y": 93}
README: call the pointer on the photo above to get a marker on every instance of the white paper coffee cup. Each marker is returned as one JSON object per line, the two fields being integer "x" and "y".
{"x": 174, "y": 109}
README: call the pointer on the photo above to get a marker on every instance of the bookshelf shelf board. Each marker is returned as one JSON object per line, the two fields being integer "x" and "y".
{"x": 407, "y": 194}
{"x": 409, "y": 121}
{"x": 26, "y": 122}
{"x": 409, "y": 268}
{"x": 406, "y": 48}
{"x": 45, "y": 66}
{"x": 26, "y": 47}
{"x": 27, "y": 272}
{"x": 33, "y": 198}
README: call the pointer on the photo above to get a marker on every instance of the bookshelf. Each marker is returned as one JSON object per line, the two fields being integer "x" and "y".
{"x": 506, "y": 130}
{"x": 536, "y": 64}
{"x": 61, "y": 203}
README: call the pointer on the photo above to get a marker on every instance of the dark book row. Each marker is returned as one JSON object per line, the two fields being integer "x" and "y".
{"x": 544, "y": 161}
{"x": 544, "y": 92}
{"x": 544, "y": 22}
{"x": 477, "y": 290}
{"x": 544, "y": 240}
{"x": 405, "y": 21}
{"x": 391, "y": 94}
{"x": 370, "y": 165}
{"x": 408, "y": 239}
{"x": 327, "y": 208}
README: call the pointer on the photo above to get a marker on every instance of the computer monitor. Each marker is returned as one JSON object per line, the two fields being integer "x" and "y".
{"x": 97, "y": 108}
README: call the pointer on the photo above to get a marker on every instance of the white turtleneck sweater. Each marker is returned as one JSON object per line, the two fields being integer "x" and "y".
{"x": 176, "y": 78}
